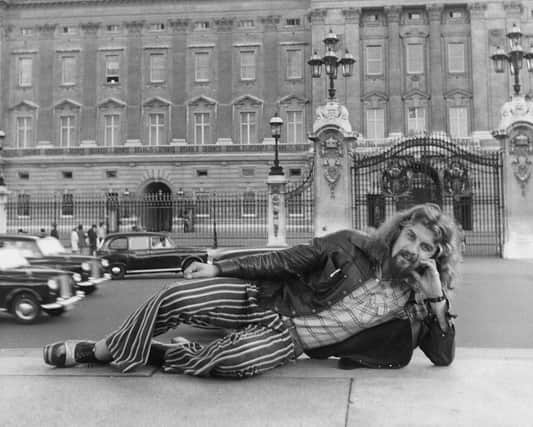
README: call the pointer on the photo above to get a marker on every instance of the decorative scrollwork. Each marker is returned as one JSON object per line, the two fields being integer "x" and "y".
{"x": 331, "y": 152}
{"x": 455, "y": 179}
{"x": 396, "y": 178}
{"x": 521, "y": 148}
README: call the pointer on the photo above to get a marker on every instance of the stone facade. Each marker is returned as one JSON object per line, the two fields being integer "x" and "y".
{"x": 109, "y": 96}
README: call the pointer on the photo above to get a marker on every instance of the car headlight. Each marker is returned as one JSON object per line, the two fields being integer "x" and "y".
{"x": 85, "y": 266}
{"x": 53, "y": 284}
{"x": 76, "y": 277}
{"x": 105, "y": 262}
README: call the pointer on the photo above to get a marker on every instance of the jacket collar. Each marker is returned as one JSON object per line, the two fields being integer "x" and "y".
{"x": 375, "y": 249}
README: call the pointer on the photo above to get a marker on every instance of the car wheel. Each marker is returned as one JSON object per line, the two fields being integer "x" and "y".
{"x": 117, "y": 271}
{"x": 26, "y": 308}
{"x": 55, "y": 312}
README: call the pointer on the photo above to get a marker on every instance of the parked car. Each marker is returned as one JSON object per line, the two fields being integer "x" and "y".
{"x": 26, "y": 290}
{"x": 87, "y": 271}
{"x": 139, "y": 252}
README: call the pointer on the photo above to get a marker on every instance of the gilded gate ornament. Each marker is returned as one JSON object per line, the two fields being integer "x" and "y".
{"x": 396, "y": 179}
{"x": 455, "y": 178}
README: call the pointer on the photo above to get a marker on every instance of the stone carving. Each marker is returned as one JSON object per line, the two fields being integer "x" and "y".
{"x": 332, "y": 113}
{"x": 275, "y": 191}
{"x": 521, "y": 148}
{"x": 518, "y": 109}
{"x": 331, "y": 153}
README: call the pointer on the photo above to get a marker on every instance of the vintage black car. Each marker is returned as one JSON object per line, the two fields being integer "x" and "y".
{"x": 27, "y": 291}
{"x": 139, "y": 252}
{"x": 87, "y": 271}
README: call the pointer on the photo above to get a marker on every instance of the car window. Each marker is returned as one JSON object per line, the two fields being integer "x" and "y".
{"x": 139, "y": 243}
{"x": 119, "y": 243}
{"x": 157, "y": 242}
{"x": 50, "y": 246}
{"x": 27, "y": 249}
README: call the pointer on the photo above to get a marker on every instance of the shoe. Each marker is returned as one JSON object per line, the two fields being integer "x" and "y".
{"x": 65, "y": 354}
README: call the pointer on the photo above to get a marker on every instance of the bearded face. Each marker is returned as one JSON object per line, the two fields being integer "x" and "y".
{"x": 415, "y": 243}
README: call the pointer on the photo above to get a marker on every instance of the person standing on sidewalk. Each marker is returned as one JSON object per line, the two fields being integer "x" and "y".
{"x": 100, "y": 233}
{"x": 367, "y": 299}
{"x": 82, "y": 240}
{"x": 74, "y": 241}
{"x": 92, "y": 237}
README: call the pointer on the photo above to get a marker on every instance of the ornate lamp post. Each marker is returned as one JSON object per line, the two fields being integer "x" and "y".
{"x": 331, "y": 63}
{"x": 275, "y": 125}
{"x": 514, "y": 57}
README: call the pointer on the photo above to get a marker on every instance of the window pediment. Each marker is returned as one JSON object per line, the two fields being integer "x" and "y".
{"x": 25, "y": 105}
{"x": 247, "y": 100}
{"x": 112, "y": 103}
{"x": 456, "y": 94}
{"x": 67, "y": 104}
{"x": 292, "y": 100}
{"x": 156, "y": 102}
{"x": 415, "y": 95}
{"x": 202, "y": 100}
{"x": 373, "y": 99}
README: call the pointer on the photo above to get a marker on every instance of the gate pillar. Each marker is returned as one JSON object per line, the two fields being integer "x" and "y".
{"x": 277, "y": 213}
{"x": 3, "y": 205}
{"x": 333, "y": 137}
{"x": 515, "y": 134}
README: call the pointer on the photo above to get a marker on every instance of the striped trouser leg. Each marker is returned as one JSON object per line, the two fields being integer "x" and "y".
{"x": 223, "y": 302}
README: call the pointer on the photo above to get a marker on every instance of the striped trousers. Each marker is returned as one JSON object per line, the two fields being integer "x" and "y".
{"x": 258, "y": 341}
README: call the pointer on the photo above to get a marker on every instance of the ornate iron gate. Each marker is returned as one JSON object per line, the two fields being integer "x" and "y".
{"x": 467, "y": 184}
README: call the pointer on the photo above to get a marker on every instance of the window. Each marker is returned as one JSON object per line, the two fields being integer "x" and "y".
{"x": 158, "y": 65}
{"x": 295, "y": 127}
{"x": 375, "y": 123}
{"x": 24, "y": 175}
{"x": 201, "y": 66}
{"x": 111, "y": 129}
{"x": 112, "y": 28}
{"x": 112, "y": 69}
{"x": 111, "y": 174}
{"x": 202, "y": 128}
{"x": 416, "y": 119}
{"x": 458, "y": 121}
{"x": 139, "y": 243}
{"x": 119, "y": 243}
{"x": 25, "y": 71}
{"x": 246, "y": 23}
{"x": 157, "y": 27}
{"x": 156, "y": 129}
{"x": 66, "y": 131}
{"x": 455, "y": 14}
{"x": 248, "y": 127}
{"x": 294, "y": 64}
{"x": 23, "y": 205}
{"x": 249, "y": 205}
{"x": 295, "y": 172}
{"x": 456, "y": 57}
{"x": 24, "y": 131}
{"x": 247, "y": 65}
{"x": 68, "y": 30}
{"x": 415, "y": 58}
{"x": 248, "y": 171}
{"x": 67, "y": 204}
{"x": 374, "y": 60}
{"x": 201, "y": 25}
{"x": 67, "y": 174}
{"x": 68, "y": 70}
{"x": 26, "y": 31}
{"x": 201, "y": 172}
{"x": 293, "y": 22}
{"x": 414, "y": 16}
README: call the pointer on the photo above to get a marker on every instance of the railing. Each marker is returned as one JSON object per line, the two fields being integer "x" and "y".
{"x": 158, "y": 149}
{"x": 217, "y": 219}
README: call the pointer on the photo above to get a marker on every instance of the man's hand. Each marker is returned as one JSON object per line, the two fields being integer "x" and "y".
{"x": 429, "y": 280}
{"x": 200, "y": 270}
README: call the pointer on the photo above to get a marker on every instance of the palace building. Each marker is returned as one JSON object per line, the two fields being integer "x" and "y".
{"x": 116, "y": 96}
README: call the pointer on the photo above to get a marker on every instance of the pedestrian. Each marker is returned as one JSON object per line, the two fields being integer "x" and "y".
{"x": 367, "y": 299}
{"x": 74, "y": 241}
{"x": 92, "y": 237}
{"x": 100, "y": 233}
{"x": 82, "y": 240}
{"x": 53, "y": 231}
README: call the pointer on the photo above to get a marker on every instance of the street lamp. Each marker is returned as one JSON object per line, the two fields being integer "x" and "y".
{"x": 331, "y": 63}
{"x": 275, "y": 126}
{"x": 514, "y": 57}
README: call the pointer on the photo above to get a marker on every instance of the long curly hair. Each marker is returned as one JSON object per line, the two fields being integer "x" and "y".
{"x": 446, "y": 233}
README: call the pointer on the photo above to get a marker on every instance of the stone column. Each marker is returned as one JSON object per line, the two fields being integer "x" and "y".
{"x": 395, "y": 71}
{"x": 318, "y": 32}
{"x": 277, "y": 211}
{"x": 134, "y": 82}
{"x": 89, "y": 82}
{"x": 333, "y": 138}
{"x": 3, "y": 206}
{"x": 352, "y": 85}
{"x": 438, "y": 112}
{"x": 516, "y": 135}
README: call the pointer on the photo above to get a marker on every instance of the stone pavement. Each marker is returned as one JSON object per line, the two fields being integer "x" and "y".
{"x": 484, "y": 387}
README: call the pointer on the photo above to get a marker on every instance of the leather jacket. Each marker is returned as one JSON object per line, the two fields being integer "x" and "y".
{"x": 306, "y": 279}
